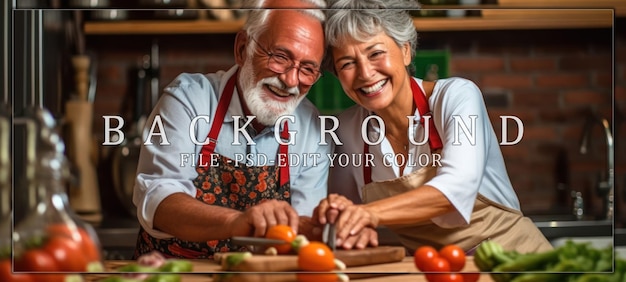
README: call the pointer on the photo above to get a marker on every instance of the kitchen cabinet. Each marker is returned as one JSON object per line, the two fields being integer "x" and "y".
{"x": 506, "y": 15}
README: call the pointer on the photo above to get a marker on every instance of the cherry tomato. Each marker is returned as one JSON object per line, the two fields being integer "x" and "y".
{"x": 454, "y": 255}
{"x": 89, "y": 248}
{"x": 67, "y": 253}
{"x": 281, "y": 232}
{"x": 444, "y": 277}
{"x": 437, "y": 264}
{"x": 317, "y": 277}
{"x": 470, "y": 277}
{"x": 422, "y": 255}
{"x": 6, "y": 273}
{"x": 38, "y": 260}
{"x": 316, "y": 256}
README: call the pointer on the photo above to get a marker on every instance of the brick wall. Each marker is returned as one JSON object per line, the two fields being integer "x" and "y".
{"x": 547, "y": 78}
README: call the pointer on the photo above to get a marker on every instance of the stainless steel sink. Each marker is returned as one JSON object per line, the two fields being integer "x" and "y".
{"x": 566, "y": 226}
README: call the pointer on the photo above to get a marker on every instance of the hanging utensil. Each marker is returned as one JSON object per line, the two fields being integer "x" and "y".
{"x": 154, "y": 74}
{"x": 126, "y": 156}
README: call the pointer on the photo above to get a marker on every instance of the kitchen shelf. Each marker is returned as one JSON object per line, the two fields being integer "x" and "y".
{"x": 491, "y": 19}
{"x": 618, "y": 5}
{"x": 163, "y": 27}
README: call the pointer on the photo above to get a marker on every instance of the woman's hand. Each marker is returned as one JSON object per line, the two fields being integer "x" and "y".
{"x": 366, "y": 237}
{"x": 327, "y": 211}
{"x": 352, "y": 221}
{"x": 349, "y": 219}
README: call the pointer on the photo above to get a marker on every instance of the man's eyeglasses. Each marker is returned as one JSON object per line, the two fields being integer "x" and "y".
{"x": 308, "y": 73}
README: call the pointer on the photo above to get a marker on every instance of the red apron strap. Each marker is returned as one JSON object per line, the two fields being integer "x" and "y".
{"x": 218, "y": 119}
{"x": 220, "y": 113}
{"x": 283, "y": 158}
{"x": 433, "y": 137}
{"x": 422, "y": 105}
{"x": 367, "y": 170}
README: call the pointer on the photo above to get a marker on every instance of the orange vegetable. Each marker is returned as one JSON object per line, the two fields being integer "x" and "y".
{"x": 316, "y": 256}
{"x": 281, "y": 232}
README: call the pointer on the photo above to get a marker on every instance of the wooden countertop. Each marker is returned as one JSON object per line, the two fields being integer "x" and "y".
{"x": 389, "y": 272}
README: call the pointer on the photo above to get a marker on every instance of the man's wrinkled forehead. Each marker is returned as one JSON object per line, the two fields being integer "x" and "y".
{"x": 288, "y": 4}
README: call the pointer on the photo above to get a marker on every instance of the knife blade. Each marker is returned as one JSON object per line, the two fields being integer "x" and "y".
{"x": 255, "y": 241}
{"x": 330, "y": 235}
{"x": 256, "y": 244}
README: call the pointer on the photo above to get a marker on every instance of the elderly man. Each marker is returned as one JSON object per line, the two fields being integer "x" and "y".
{"x": 223, "y": 172}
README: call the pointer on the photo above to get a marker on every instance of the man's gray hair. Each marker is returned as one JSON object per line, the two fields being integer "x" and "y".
{"x": 362, "y": 19}
{"x": 257, "y": 16}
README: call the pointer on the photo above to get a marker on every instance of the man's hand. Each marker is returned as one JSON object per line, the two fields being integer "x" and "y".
{"x": 257, "y": 219}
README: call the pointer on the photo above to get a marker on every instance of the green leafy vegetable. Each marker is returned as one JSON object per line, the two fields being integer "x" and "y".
{"x": 572, "y": 262}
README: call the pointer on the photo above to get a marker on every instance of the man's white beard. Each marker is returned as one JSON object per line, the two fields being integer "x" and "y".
{"x": 266, "y": 110}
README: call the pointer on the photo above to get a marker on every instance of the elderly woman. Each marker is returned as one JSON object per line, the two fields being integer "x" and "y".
{"x": 432, "y": 168}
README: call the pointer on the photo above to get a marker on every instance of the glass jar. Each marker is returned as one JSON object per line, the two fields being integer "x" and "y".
{"x": 52, "y": 238}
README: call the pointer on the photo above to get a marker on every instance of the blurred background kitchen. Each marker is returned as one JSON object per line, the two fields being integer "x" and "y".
{"x": 559, "y": 68}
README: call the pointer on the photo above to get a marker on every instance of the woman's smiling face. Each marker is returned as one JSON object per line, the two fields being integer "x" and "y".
{"x": 372, "y": 73}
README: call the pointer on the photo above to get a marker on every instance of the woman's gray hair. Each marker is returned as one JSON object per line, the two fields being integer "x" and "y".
{"x": 258, "y": 15}
{"x": 362, "y": 19}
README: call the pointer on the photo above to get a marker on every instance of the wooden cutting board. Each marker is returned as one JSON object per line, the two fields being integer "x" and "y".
{"x": 352, "y": 258}
{"x": 401, "y": 271}
{"x": 207, "y": 270}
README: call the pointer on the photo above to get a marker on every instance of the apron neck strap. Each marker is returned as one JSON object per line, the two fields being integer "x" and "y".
{"x": 220, "y": 113}
{"x": 216, "y": 126}
{"x": 421, "y": 102}
{"x": 422, "y": 106}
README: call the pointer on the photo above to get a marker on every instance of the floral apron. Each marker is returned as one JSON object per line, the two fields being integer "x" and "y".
{"x": 228, "y": 184}
{"x": 489, "y": 220}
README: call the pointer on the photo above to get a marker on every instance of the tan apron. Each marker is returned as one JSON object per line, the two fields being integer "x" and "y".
{"x": 489, "y": 219}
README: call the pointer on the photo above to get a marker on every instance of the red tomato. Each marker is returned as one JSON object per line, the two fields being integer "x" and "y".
{"x": 316, "y": 256}
{"x": 89, "y": 248}
{"x": 281, "y": 232}
{"x": 437, "y": 264}
{"x": 67, "y": 253}
{"x": 422, "y": 255}
{"x": 38, "y": 260}
{"x": 48, "y": 277}
{"x": 444, "y": 277}
{"x": 454, "y": 255}
{"x": 6, "y": 273}
{"x": 470, "y": 277}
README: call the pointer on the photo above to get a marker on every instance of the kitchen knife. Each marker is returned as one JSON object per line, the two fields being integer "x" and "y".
{"x": 255, "y": 241}
{"x": 330, "y": 235}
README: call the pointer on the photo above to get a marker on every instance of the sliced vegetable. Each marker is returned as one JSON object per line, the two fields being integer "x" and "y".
{"x": 176, "y": 265}
{"x": 232, "y": 260}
